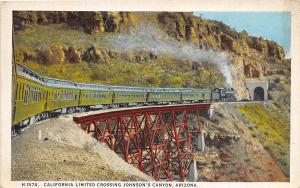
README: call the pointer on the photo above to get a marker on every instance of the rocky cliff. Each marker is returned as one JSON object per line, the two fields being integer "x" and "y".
{"x": 250, "y": 57}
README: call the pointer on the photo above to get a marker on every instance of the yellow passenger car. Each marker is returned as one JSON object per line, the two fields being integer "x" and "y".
{"x": 164, "y": 95}
{"x": 92, "y": 94}
{"x": 31, "y": 95}
{"x": 125, "y": 94}
{"x": 196, "y": 95}
{"x": 61, "y": 94}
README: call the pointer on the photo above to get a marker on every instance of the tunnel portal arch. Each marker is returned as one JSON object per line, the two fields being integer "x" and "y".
{"x": 259, "y": 94}
{"x": 258, "y": 90}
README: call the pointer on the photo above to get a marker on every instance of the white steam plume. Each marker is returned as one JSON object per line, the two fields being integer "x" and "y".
{"x": 148, "y": 38}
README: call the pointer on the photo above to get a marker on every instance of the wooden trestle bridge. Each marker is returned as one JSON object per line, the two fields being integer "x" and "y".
{"x": 157, "y": 140}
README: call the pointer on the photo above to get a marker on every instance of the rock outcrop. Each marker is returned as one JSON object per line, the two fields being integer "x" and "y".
{"x": 90, "y": 22}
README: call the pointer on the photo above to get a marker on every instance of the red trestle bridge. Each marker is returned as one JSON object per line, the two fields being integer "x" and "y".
{"x": 157, "y": 140}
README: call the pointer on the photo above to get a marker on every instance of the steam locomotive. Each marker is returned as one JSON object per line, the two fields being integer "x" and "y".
{"x": 37, "y": 97}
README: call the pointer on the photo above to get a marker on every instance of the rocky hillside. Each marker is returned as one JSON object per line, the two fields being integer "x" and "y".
{"x": 84, "y": 38}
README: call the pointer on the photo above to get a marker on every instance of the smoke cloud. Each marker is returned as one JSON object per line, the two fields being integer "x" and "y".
{"x": 148, "y": 38}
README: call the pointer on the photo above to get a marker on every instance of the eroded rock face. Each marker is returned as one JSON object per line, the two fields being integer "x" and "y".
{"x": 72, "y": 55}
{"x": 21, "y": 19}
{"x": 90, "y": 22}
{"x": 252, "y": 72}
{"x": 53, "y": 55}
{"x": 238, "y": 80}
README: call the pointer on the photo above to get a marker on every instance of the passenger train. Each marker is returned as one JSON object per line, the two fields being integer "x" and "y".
{"x": 37, "y": 97}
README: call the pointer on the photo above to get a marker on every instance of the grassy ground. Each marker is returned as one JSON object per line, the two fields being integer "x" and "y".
{"x": 272, "y": 129}
{"x": 38, "y": 37}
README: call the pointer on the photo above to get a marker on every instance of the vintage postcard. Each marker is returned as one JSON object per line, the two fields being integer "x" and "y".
{"x": 149, "y": 94}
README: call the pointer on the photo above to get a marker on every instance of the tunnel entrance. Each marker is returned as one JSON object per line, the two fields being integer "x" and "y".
{"x": 259, "y": 94}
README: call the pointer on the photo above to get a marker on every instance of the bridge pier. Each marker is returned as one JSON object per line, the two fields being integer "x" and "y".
{"x": 193, "y": 172}
{"x": 210, "y": 113}
{"x": 201, "y": 142}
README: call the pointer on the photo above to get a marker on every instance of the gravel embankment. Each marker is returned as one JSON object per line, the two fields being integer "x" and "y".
{"x": 65, "y": 152}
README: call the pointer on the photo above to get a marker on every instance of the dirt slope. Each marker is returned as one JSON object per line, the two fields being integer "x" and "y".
{"x": 65, "y": 152}
{"x": 242, "y": 159}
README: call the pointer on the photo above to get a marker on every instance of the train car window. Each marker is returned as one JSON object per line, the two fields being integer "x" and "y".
{"x": 22, "y": 92}
{"x": 34, "y": 93}
{"x": 17, "y": 91}
{"x": 26, "y": 94}
{"x": 55, "y": 96}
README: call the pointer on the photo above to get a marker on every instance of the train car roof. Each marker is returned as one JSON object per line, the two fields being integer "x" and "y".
{"x": 176, "y": 90}
{"x": 128, "y": 88}
{"x": 93, "y": 86}
{"x": 53, "y": 82}
{"x": 26, "y": 72}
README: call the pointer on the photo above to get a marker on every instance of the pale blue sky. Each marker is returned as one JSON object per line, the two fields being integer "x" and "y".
{"x": 269, "y": 25}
